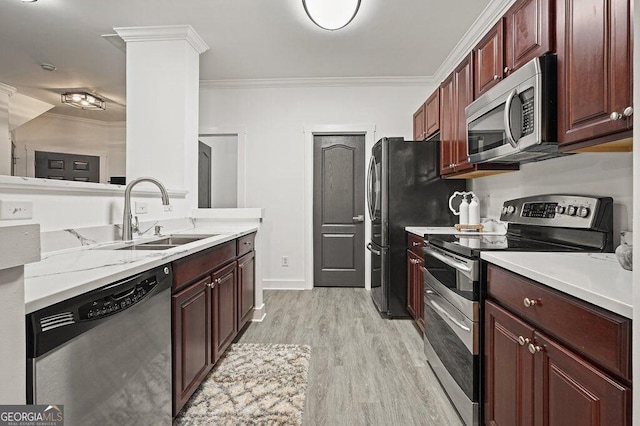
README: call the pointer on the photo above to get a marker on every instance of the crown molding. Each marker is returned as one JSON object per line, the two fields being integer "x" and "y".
{"x": 8, "y": 90}
{"x": 489, "y": 16}
{"x": 163, "y": 33}
{"x": 270, "y": 83}
{"x": 85, "y": 120}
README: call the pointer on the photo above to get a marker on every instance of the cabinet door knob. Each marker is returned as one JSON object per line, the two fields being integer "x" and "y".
{"x": 523, "y": 340}
{"x": 628, "y": 111}
{"x": 529, "y": 302}
{"x": 496, "y": 77}
{"x": 416, "y": 243}
{"x": 615, "y": 116}
{"x": 506, "y": 69}
{"x": 534, "y": 348}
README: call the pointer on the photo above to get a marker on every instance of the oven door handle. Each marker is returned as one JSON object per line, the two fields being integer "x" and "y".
{"x": 372, "y": 250}
{"x": 448, "y": 315}
{"x": 459, "y": 266}
{"x": 507, "y": 118}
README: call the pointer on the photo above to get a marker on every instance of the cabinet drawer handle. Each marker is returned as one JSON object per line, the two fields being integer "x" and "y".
{"x": 529, "y": 302}
{"x": 416, "y": 243}
{"x": 534, "y": 348}
{"x": 523, "y": 340}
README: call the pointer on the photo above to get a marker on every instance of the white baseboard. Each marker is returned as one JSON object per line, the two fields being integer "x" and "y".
{"x": 259, "y": 314}
{"x": 275, "y": 284}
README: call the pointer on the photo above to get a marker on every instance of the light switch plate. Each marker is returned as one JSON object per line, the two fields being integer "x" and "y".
{"x": 15, "y": 210}
{"x": 141, "y": 207}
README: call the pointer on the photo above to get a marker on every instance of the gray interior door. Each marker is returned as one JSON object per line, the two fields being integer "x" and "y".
{"x": 338, "y": 210}
{"x": 204, "y": 176}
{"x": 60, "y": 166}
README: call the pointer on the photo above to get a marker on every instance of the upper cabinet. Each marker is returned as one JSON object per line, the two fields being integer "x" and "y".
{"x": 489, "y": 59}
{"x": 432, "y": 110}
{"x": 419, "y": 121}
{"x": 528, "y": 26}
{"x": 594, "y": 72}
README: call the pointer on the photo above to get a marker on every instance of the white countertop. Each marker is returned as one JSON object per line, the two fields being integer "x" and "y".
{"x": 596, "y": 278}
{"x": 64, "y": 274}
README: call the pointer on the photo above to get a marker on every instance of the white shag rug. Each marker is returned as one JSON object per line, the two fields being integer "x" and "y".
{"x": 252, "y": 384}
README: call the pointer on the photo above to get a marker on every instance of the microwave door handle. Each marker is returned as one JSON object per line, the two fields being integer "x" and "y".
{"x": 457, "y": 265}
{"x": 507, "y": 118}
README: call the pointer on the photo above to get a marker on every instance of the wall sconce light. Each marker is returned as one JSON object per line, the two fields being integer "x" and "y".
{"x": 331, "y": 14}
{"x": 83, "y": 100}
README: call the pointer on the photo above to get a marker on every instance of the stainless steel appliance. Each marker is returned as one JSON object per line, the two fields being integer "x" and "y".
{"x": 515, "y": 121}
{"x": 105, "y": 355}
{"x": 454, "y": 282}
{"x": 404, "y": 189}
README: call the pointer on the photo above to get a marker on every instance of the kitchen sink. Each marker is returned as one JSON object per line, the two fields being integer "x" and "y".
{"x": 164, "y": 243}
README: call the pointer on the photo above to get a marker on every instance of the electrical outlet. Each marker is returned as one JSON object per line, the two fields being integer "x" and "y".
{"x": 285, "y": 261}
{"x": 16, "y": 209}
{"x": 141, "y": 207}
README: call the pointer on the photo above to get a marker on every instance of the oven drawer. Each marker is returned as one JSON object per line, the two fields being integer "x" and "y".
{"x": 463, "y": 327}
{"x": 597, "y": 334}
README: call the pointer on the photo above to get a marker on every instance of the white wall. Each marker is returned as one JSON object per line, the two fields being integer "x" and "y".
{"x": 274, "y": 119}
{"x": 59, "y": 133}
{"x": 602, "y": 174}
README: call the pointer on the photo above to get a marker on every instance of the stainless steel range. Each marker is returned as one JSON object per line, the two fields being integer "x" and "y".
{"x": 454, "y": 287}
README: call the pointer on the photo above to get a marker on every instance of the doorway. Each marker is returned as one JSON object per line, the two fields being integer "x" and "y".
{"x": 225, "y": 169}
{"x": 338, "y": 210}
{"x": 204, "y": 176}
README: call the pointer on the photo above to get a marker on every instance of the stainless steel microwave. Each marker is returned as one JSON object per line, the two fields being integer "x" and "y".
{"x": 515, "y": 121}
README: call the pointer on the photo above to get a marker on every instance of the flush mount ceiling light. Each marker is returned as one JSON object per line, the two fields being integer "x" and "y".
{"x": 331, "y": 14}
{"x": 83, "y": 100}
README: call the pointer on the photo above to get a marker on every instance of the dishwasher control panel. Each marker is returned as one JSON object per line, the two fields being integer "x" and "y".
{"x": 116, "y": 302}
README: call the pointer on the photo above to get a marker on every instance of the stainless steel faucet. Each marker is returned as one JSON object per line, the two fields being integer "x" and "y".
{"x": 127, "y": 226}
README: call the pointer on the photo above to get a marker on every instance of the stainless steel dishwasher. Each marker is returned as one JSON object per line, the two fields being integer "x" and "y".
{"x": 106, "y": 354}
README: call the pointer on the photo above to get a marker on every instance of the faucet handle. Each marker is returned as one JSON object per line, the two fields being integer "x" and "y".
{"x": 157, "y": 229}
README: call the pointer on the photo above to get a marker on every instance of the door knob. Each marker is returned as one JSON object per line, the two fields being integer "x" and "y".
{"x": 359, "y": 218}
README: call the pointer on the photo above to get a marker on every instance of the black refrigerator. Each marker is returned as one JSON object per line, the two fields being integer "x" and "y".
{"x": 404, "y": 188}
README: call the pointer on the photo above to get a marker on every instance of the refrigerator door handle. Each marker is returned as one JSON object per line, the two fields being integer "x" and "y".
{"x": 369, "y": 189}
{"x": 374, "y": 251}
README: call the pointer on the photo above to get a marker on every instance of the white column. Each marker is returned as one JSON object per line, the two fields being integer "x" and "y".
{"x": 5, "y": 145}
{"x": 162, "y": 104}
{"x": 18, "y": 245}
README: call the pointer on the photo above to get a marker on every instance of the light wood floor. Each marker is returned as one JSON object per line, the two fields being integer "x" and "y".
{"x": 364, "y": 370}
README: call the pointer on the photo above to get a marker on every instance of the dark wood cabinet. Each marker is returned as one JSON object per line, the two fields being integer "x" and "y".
{"x": 225, "y": 319}
{"x": 447, "y": 125}
{"x": 246, "y": 288}
{"x": 213, "y": 298}
{"x": 432, "y": 113}
{"x": 529, "y": 32}
{"x": 191, "y": 347}
{"x": 532, "y": 378}
{"x": 508, "y": 368}
{"x": 594, "y": 71}
{"x": 489, "y": 59}
{"x": 419, "y": 121}
{"x": 415, "y": 275}
{"x": 456, "y": 92}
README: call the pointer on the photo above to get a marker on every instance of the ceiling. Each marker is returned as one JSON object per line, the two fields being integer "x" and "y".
{"x": 248, "y": 39}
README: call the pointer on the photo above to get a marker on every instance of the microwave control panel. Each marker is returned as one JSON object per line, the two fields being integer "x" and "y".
{"x": 527, "y": 99}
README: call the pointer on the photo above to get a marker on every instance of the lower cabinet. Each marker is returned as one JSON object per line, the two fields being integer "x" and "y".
{"x": 213, "y": 298}
{"x": 534, "y": 379}
{"x": 191, "y": 340}
{"x": 246, "y": 287}
{"x": 224, "y": 320}
{"x": 415, "y": 286}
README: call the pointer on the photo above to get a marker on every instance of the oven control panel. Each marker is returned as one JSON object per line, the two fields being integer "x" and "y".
{"x": 571, "y": 211}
